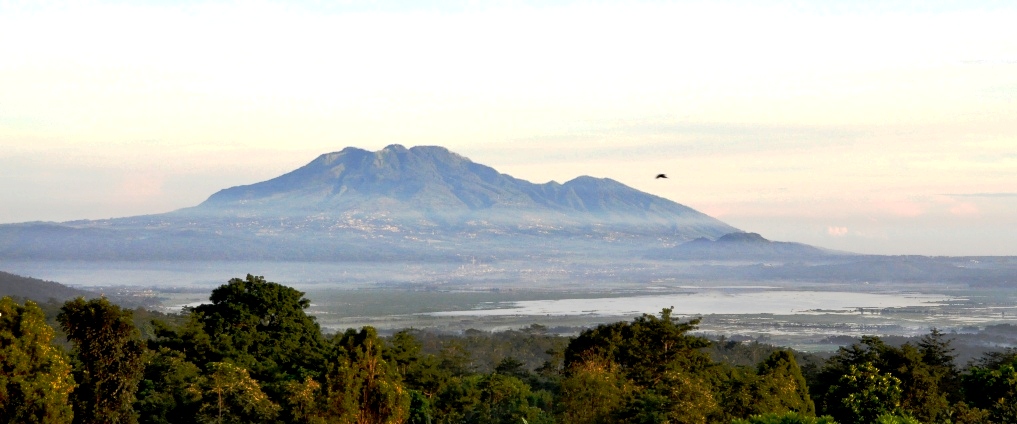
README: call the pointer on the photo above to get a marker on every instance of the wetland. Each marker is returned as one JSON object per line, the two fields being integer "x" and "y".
{"x": 806, "y": 315}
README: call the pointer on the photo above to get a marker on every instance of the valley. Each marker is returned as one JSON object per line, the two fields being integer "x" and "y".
{"x": 566, "y": 297}
{"x": 422, "y": 237}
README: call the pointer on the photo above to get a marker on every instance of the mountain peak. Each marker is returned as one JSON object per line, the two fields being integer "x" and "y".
{"x": 420, "y": 202}
{"x": 742, "y": 238}
{"x": 586, "y": 180}
{"x": 435, "y": 185}
{"x": 741, "y": 245}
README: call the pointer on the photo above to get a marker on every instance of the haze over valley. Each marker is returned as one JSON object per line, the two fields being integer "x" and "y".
{"x": 487, "y": 250}
{"x": 447, "y": 212}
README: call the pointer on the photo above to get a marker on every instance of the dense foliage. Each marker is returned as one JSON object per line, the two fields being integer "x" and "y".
{"x": 108, "y": 360}
{"x": 252, "y": 355}
{"x": 35, "y": 376}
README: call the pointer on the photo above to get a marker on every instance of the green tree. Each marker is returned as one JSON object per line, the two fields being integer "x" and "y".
{"x": 404, "y": 351}
{"x": 828, "y": 401}
{"x": 35, "y": 376}
{"x": 678, "y": 397}
{"x": 921, "y": 396}
{"x": 108, "y": 360}
{"x": 781, "y": 386}
{"x": 866, "y": 392}
{"x": 514, "y": 367}
{"x": 301, "y": 401}
{"x": 923, "y": 371}
{"x": 421, "y": 411}
{"x": 167, "y": 392}
{"x": 740, "y": 391}
{"x": 261, "y": 326}
{"x": 188, "y": 339}
{"x": 896, "y": 419}
{"x": 964, "y": 414}
{"x": 775, "y": 386}
{"x": 487, "y": 398}
{"x": 435, "y": 376}
{"x": 644, "y": 348}
{"x": 995, "y": 358}
{"x": 670, "y": 377}
{"x": 505, "y": 399}
{"x": 457, "y": 400}
{"x": 784, "y": 418}
{"x": 258, "y": 326}
{"x": 938, "y": 354}
{"x": 230, "y": 395}
{"x": 422, "y": 372}
{"x": 994, "y": 390}
{"x": 361, "y": 386}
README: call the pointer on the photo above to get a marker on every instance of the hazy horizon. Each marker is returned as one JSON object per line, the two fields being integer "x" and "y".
{"x": 873, "y": 127}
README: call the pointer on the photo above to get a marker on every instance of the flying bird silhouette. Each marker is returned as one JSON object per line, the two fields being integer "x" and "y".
{"x": 661, "y": 176}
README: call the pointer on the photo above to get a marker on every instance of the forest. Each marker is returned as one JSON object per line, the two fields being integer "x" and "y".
{"x": 253, "y": 355}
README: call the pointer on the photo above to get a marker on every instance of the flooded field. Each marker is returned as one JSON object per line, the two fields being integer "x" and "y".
{"x": 395, "y": 296}
{"x": 713, "y": 301}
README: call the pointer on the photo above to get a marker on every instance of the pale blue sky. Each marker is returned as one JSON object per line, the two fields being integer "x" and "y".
{"x": 876, "y": 127}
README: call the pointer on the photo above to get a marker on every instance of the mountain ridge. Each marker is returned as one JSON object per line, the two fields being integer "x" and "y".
{"x": 420, "y": 202}
{"x": 423, "y": 175}
{"x": 18, "y": 286}
{"x": 742, "y": 246}
{"x": 399, "y": 209}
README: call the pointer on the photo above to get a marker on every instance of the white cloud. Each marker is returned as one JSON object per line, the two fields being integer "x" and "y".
{"x": 837, "y": 231}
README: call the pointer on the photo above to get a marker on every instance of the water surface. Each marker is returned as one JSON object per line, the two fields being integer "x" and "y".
{"x": 732, "y": 300}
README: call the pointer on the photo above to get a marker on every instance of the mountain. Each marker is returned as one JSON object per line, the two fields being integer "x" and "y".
{"x": 432, "y": 186}
{"x": 425, "y": 214}
{"x": 36, "y": 289}
{"x": 742, "y": 246}
{"x": 420, "y": 203}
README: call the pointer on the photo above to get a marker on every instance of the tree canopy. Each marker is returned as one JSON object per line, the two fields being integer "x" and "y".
{"x": 109, "y": 360}
{"x": 253, "y": 355}
{"x": 35, "y": 375}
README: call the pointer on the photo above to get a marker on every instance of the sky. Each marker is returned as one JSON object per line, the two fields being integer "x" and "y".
{"x": 883, "y": 127}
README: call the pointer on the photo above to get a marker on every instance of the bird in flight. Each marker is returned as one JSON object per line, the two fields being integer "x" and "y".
{"x": 661, "y": 176}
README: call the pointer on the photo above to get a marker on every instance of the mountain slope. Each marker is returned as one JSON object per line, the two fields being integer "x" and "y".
{"x": 36, "y": 289}
{"x": 431, "y": 185}
{"x": 742, "y": 246}
{"x": 421, "y": 203}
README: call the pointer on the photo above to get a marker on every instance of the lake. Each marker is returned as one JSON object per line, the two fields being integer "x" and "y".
{"x": 728, "y": 300}
{"x": 602, "y": 300}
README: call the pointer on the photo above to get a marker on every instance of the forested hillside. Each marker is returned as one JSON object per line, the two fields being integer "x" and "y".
{"x": 253, "y": 355}
{"x": 34, "y": 288}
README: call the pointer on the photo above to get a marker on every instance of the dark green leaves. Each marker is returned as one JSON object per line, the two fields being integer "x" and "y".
{"x": 109, "y": 360}
{"x": 262, "y": 326}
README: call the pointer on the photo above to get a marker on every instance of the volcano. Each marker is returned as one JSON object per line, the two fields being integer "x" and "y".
{"x": 419, "y": 203}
